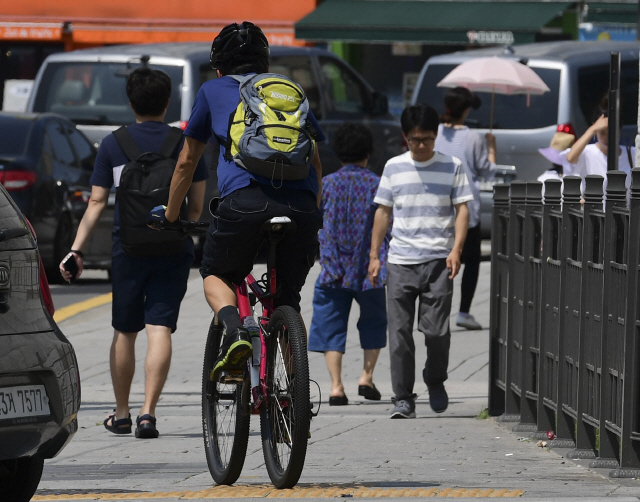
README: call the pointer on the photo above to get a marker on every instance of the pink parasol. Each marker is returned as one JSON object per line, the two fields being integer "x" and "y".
{"x": 495, "y": 75}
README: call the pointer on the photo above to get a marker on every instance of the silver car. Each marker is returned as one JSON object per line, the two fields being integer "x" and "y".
{"x": 88, "y": 87}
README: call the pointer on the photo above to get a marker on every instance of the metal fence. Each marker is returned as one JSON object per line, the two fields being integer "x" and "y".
{"x": 565, "y": 316}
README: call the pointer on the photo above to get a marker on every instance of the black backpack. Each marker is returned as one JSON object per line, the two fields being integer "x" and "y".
{"x": 144, "y": 184}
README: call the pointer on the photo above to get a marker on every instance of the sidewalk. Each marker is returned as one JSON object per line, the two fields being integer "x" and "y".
{"x": 354, "y": 450}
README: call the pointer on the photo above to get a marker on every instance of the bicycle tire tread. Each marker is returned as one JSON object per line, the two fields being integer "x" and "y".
{"x": 288, "y": 476}
{"x": 221, "y": 474}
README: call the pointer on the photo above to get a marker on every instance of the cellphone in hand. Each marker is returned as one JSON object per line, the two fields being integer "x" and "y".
{"x": 71, "y": 266}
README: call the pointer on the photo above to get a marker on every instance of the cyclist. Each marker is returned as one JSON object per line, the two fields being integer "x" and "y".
{"x": 246, "y": 200}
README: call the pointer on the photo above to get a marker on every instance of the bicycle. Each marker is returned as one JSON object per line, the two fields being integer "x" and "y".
{"x": 274, "y": 383}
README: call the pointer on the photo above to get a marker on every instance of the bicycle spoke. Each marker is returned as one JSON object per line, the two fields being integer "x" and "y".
{"x": 226, "y": 422}
{"x": 282, "y": 386}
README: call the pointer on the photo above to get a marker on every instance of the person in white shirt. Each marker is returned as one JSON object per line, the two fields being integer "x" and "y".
{"x": 584, "y": 158}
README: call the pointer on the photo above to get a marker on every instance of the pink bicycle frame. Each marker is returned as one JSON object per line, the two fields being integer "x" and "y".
{"x": 259, "y": 393}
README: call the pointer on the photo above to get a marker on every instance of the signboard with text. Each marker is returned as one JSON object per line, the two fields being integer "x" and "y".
{"x": 29, "y": 32}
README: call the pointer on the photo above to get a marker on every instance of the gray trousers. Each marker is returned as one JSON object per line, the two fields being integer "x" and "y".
{"x": 429, "y": 283}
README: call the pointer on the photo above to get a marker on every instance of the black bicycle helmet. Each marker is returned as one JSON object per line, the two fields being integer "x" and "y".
{"x": 235, "y": 39}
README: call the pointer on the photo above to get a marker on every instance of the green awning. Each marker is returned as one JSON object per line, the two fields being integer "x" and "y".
{"x": 427, "y": 21}
{"x": 624, "y": 13}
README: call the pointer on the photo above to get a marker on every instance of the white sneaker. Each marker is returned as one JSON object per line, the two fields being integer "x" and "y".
{"x": 467, "y": 321}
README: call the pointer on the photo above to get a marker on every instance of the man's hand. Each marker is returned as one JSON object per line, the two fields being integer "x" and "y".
{"x": 66, "y": 274}
{"x": 453, "y": 262}
{"x": 374, "y": 270}
{"x": 157, "y": 218}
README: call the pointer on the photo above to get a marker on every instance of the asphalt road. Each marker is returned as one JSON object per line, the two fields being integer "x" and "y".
{"x": 92, "y": 283}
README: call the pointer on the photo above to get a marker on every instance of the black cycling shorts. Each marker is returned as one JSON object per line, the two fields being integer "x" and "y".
{"x": 233, "y": 238}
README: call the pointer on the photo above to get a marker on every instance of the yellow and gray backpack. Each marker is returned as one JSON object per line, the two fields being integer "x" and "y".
{"x": 269, "y": 132}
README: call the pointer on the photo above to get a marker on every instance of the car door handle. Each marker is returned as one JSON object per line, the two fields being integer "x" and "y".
{"x": 12, "y": 233}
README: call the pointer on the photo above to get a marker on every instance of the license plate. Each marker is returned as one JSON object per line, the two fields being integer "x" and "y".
{"x": 23, "y": 401}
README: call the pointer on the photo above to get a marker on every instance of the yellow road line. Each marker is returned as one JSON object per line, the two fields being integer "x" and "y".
{"x": 268, "y": 491}
{"x": 76, "y": 308}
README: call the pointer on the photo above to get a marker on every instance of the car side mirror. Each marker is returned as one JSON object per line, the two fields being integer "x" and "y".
{"x": 380, "y": 104}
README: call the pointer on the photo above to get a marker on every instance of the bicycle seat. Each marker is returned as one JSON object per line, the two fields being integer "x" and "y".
{"x": 278, "y": 225}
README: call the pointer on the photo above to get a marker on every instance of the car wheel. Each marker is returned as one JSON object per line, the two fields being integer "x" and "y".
{"x": 61, "y": 246}
{"x": 19, "y": 478}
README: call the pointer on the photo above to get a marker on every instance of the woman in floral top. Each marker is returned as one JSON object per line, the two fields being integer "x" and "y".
{"x": 345, "y": 239}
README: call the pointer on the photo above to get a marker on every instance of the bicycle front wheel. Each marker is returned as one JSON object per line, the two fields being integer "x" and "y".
{"x": 224, "y": 423}
{"x": 285, "y": 417}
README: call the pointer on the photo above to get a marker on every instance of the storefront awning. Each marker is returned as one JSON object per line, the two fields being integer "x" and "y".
{"x": 454, "y": 22}
{"x": 623, "y": 13}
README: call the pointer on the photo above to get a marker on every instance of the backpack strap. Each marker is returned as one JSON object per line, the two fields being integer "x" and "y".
{"x": 171, "y": 142}
{"x": 125, "y": 140}
{"x": 227, "y": 143}
{"x": 241, "y": 79}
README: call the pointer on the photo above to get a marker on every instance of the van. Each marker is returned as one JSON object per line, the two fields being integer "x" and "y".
{"x": 88, "y": 87}
{"x": 577, "y": 74}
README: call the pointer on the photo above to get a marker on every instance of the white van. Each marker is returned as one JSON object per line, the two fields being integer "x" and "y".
{"x": 577, "y": 74}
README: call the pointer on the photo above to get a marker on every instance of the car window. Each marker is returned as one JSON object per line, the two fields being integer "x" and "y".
{"x": 59, "y": 143}
{"x": 510, "y": 112}
{"x": 45, "y": 166}
{"x": 300, "y": 69}
{"x": 346, "y": 93}
{"x": 84, "y": 152}
{"x": 593, "y": 84}
{"x": 13, "y": 135}
{"x": 95, "y": 93}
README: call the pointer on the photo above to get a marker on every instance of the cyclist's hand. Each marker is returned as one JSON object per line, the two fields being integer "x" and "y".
{"x": 157, "y": 218}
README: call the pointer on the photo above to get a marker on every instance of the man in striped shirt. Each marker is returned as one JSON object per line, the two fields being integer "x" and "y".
{"x": 427, "y": 193}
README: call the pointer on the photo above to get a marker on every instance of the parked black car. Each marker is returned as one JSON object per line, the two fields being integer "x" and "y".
{"x": 39, "y": 380}
{"x": 45, "y": 165}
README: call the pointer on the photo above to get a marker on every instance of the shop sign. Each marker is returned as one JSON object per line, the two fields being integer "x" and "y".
{"x": 617, "y": 32}
{"x": 26, "y": 32}
{"x": 280, "y": 38}
{"x": 490, "y": 37}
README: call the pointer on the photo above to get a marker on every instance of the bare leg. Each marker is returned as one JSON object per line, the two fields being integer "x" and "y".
{"x": 156, "y": 366}
{"x": 122, "y": 360}
{"x": 333, "y": 358}
{"x": 219, "y": 293}
{"x": 370, "y": 359}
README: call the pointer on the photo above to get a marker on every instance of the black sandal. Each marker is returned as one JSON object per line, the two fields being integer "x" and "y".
{"x": 119, "y": 426}
{"x": 148, "y": 430}
{"x": 338, "y": 400}
{"x": 369, "y": 392}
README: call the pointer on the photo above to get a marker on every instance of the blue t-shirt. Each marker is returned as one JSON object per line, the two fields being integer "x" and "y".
{"x": 215, "y": 102}
{"x": 149, "y": 136}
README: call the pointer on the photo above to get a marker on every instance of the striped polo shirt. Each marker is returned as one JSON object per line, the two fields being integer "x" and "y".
{"x": 423, "y": 196}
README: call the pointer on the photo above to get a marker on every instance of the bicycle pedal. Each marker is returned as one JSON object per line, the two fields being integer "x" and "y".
{"x": 231, "y": 376}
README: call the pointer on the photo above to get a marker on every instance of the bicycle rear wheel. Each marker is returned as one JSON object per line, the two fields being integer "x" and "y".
{"x": 285, "y": 417}
{"x": 225, "y": 425}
